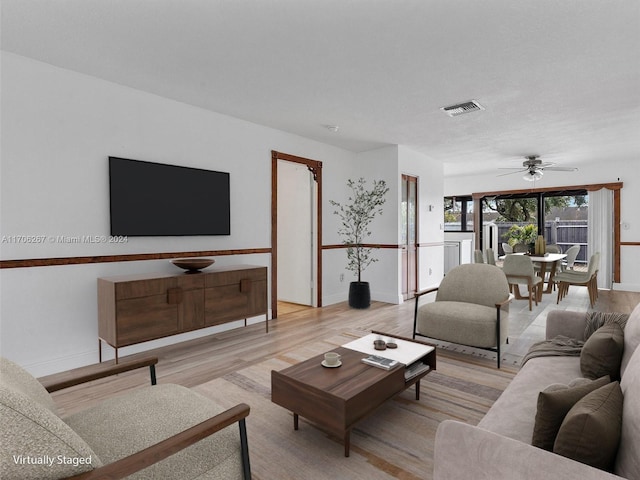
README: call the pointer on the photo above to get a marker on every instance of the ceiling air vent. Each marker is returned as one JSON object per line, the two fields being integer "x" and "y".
{"x": 466, "y": 107}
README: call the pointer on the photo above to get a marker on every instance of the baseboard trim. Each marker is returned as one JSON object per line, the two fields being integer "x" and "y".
{"x": 626, "y": 287}
{"x": 68, "y": 362}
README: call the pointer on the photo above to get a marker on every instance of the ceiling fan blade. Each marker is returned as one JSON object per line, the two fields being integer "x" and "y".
{"x": 514, "y": 168}
{"x": 511, "y": 173}
{"x": 562, "y": 169}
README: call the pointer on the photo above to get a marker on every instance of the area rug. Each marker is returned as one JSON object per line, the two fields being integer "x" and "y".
{"x": 396, "y": 441}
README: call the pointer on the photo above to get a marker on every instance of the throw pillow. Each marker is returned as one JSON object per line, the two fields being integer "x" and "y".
{"x": 590, "y": 432}
{"x": 602, "y": 353}
{"x": 554, "y": 402}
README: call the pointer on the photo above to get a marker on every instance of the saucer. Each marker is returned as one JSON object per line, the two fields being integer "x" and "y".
{"x": 324, "y": 364}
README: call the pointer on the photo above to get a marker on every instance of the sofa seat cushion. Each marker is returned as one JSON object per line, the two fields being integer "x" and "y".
{"x": 123, "y": 425}
{"x": 461, "y": 322}
{"x": 513, "y": 414}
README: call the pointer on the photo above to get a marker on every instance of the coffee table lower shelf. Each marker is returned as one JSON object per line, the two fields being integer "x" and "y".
{"x": 335, "y": 399}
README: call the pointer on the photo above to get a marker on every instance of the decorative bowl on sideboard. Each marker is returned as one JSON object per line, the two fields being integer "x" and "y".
{"x": 192, "y": 265}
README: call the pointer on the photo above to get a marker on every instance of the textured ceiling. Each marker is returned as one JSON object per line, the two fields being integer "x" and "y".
{"x": 557, "y": 78}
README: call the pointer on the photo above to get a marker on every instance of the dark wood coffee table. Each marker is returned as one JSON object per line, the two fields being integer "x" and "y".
{"x": 335, "y": 399}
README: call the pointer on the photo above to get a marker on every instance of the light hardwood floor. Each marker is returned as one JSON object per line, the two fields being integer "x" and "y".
{"x": 198, "y": 361}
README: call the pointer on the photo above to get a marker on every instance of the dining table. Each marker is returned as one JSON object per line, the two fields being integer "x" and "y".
{"x": 548, "y": 263}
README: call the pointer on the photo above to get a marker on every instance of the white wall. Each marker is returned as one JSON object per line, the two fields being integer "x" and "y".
{"x": 384, "y": 276}
{"x": 378, "y": 164}
{"x": 607, "y": 171}
{"x": 431, "y": 228}
{"x": 58, "y": 128}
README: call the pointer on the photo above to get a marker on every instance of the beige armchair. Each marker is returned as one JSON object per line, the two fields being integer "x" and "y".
{"x": 478, "y": 257}
{"x": 471, "y": 308}
{"x": 161, "y": 431}
{"x": 519, "y": 270}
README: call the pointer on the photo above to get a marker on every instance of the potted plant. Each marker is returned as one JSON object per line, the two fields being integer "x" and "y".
{"x": 524, "y": 234}
{"x": 362, "y": 207}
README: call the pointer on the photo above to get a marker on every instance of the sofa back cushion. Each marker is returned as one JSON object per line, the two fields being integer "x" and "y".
{"x": 590, "y": 433}
{"x": 17, "y": 378}
{"x": 602, "y": 353}
{"x": 36, "y": 444}
{"x": 631, "y": 338}
{"x": 477, "y": 283}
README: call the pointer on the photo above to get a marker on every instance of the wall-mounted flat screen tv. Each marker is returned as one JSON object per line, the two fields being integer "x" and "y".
{"x": 154, "y": 199}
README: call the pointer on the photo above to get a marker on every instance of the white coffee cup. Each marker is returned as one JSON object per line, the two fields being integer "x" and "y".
{"x": 331, "y": 358}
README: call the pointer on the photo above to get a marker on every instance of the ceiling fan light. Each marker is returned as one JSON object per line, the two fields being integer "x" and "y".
{"x": 532, "y": 176}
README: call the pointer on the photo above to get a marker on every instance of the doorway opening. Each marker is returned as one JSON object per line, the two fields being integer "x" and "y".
{"x": 296, "y": 232}
{"x": 409, "y": 233}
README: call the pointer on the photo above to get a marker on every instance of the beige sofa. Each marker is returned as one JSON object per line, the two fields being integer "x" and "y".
{"x": 500, "y": 446}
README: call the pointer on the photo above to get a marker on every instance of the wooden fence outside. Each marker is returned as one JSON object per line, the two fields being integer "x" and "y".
{"x": 563, "y": 233}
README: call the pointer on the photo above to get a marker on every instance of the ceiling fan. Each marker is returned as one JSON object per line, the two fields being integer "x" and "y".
{"x": 534, "y": 168}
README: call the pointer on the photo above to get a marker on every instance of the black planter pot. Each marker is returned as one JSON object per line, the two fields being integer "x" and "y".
{"x": 359, "y": 295}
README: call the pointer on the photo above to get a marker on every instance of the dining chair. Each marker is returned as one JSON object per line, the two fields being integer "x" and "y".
{"x": 572, "y": 254}
{"x": 520, "y": 248}
{"x": 478, "y": 257}
{"x": 589, "y": 279}
{"x": 519, "y": 270}
{"x": 506, "y": 248}
{"x": 491, "y": 258}
{"x": 553, "y": 248}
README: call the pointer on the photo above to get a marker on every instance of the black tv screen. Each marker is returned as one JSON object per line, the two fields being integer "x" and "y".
{"x": 154, "y": 199}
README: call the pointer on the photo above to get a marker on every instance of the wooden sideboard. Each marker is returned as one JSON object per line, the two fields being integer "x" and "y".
{"x": 137, "y": 308}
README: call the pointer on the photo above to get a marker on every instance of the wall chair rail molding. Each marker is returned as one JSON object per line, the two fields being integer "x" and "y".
{"x": 134, "y": 257}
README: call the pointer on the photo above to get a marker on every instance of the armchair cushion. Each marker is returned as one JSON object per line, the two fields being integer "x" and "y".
{"x": 123, "y": 425}
{"x": 15, "y": 377}
{"x": 460, "y": 322}
{"x": 479, "y": 284}
{"x": 35, "y": 443}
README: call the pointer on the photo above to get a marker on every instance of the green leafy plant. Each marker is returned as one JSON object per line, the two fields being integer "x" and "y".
{"x": 356, "y": 215}
{"x": 525, "y": 234}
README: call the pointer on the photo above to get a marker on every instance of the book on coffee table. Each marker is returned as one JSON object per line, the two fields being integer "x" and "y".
{"x": 380, "y": 362}
{"x": 415, "y": 369}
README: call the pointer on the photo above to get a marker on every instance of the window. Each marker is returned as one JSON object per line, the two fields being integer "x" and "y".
{"x": 559, "y": 216}
{"x": 458, "y": 214}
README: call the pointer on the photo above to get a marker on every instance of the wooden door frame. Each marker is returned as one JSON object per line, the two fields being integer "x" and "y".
{"x": 416, "y": 279}
{"x": 315, "y": 167}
